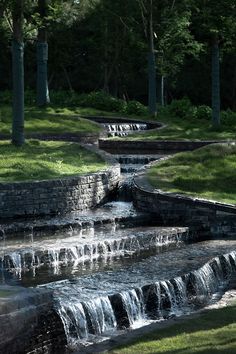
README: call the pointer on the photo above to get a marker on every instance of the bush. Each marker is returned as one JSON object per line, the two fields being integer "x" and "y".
{"x": 5, "y": 97}
{"x": 181, "y": 108}
{"x": 228, "y": 118}
{"x": 135, "y": 107}
{"x": 203, "y": 112}
{"x": 101, "y": 100}
{"x": 30, "y": 97}
{"x": 64, "y": 98}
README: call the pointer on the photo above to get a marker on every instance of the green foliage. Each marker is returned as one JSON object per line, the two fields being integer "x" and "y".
{"x": 181, "y": 108}
{"x": 5, "y": 97}
{"x": 184, "y": 109}
{"x": 203, "y": 112}
{"x": 185, "y": 121}
{"x": 64, "y": 98}
{"x": 228, "y": 118}
{"x": 98, "y": 100}
{"x": 135, "y": 108}
{"x": 101, "y": 100}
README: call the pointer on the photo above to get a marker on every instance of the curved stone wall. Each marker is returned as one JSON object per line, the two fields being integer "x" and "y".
{"x": 59, "y": 196}
{"x": 149, "y": 147}
{"x": 207, "y": 217}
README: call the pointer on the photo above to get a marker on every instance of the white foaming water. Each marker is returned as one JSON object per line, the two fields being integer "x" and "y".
{"x": 85, "y": 320}
{"x": 80, "y": 249}
{"x": 96, "y": 316}
{"x": 123, "y": 129}
{"x": 134, "y": 306}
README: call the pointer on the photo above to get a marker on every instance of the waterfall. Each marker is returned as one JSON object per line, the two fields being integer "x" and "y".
{"x": 123, "y": 129}
{"x": 83, "y": 320}
{"x": 72, "y": 251}
{"x": 101, "y": 315}
{"x": 134, "y": 305}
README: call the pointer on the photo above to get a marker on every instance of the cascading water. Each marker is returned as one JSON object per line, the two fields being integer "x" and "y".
{"x": 103, "y": 310}
{"x": 123, "y": 129}
{"x": 132, "y": 163}
{"x": 74, "y": 250}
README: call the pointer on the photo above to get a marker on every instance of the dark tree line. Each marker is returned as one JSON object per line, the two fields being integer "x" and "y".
{"x": 143, "y": 49}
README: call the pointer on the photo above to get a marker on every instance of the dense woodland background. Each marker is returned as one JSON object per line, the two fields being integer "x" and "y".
{"x": 103, "y": 45}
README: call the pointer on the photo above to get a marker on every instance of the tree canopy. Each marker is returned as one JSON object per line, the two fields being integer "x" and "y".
{"x": 99, "y": 44}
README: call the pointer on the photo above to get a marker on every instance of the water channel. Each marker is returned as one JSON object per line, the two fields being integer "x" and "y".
{"x": 116, "y": 269}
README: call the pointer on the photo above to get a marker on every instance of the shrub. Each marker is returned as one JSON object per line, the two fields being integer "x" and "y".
{"x": 228, "y": 118}
{"x": 203, "y": 112}
{"x": 181, "y": 108}
{"x": 5, "y": 97}
{"x": 101, "y": 100}
{"x": 135, "y": 107}
{"x": 64, "y": 98}
{"x": 30, "y": 97}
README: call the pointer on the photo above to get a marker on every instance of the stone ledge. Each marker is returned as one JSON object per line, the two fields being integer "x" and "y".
{"x": 147, "y": 146}
{"x": 112, "y": 119}
{"x": 172, "y": 208}
{"x": 60, "y": 196}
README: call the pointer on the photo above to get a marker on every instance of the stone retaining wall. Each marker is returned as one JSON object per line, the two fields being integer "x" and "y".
{"x": 113, "y": 119}
{"x": 57, "y": 196}
{"x": 149, "y": 147}
{"x": 207, "y": 217}
{"x": 29, "y": 323}
{"x": 85, "y": 138}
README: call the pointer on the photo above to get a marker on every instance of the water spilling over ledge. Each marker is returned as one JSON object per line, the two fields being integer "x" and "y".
{"x": 94, "y": 307}
{"x": 123, "y": 129}
{"x": 105, "y": 270}
{"x": 107, "y": 242}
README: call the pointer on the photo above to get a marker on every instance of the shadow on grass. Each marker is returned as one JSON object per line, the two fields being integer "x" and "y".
{"x": 211, "y": 333}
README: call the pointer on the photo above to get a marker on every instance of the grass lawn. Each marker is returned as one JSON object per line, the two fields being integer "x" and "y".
{"x": 184, "y": 129}
{"x": 212, "y": 333}
{"x": 50, "y": 121}
{"x": 39, "y": 160}
{"x": 59, "y": 120}
{"x": 208, "y": 172}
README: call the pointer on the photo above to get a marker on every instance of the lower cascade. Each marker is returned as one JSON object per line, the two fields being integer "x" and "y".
{"x": 113, "y": 269}
{"x": 101, "y": 316}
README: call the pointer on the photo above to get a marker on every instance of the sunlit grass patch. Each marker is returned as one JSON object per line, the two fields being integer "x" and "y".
{"x": 208, "y": 172}
{"x": 211, "y": 333}
{"x": 39, "y": 160}
{"x": 49, "y": 121}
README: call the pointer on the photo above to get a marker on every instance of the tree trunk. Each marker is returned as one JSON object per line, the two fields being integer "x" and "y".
{"x": 18, "y": 74}
{"x": 215, "y": 84}
{"x": 42, "y": 58}
{"x": 160, "y": 90}
{"x": 152, "y": 92}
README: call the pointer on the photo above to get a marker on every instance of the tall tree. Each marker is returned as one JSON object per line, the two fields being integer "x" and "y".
{"x": 152, "y": 90}
{"x": 18, "y": 73}
{"x": 175, "y": 42}
{"x": 214, "y": 23}
{"x": 147, "y": 9}
{"x": 42, "y": 56}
